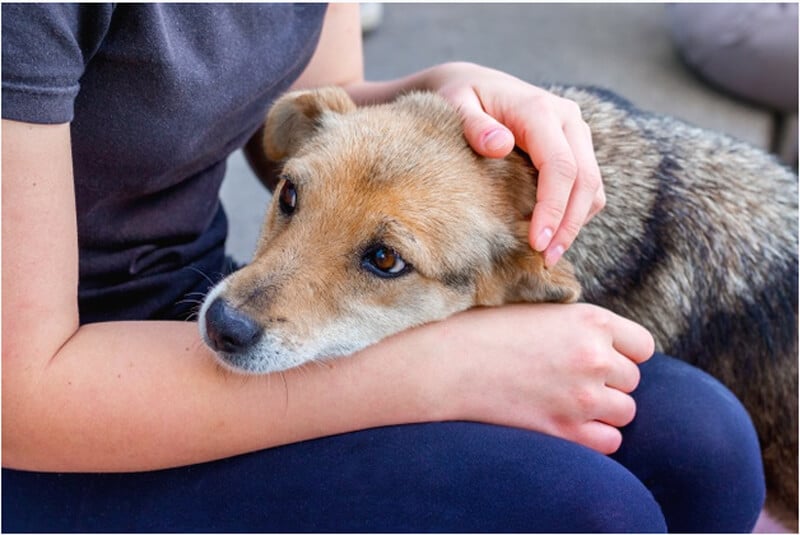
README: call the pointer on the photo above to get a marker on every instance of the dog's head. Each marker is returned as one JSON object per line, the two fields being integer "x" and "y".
{"x": 384, "y": 218}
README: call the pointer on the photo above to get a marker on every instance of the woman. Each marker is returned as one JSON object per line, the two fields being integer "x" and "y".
{"x": 116, "y": 125}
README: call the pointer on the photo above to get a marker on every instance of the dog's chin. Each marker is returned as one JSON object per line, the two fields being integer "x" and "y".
{"x": 269, "y": 357}
{"x": 249, "y": 364}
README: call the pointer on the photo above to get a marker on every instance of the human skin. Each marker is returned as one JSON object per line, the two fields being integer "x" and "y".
{"x": 128, "y": 396}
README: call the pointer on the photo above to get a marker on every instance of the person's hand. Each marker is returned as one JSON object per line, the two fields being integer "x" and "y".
{"x": 526, "y": 366}
{"x": 499, "y": 111}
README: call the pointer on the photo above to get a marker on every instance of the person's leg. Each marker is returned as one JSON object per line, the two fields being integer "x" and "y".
{"x": 456, "y": 477}
{"x": 694, "y": 446}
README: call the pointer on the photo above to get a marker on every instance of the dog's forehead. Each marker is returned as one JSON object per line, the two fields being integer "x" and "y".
{"x": 367, "y": 163}
{"x": 387, "y": 145}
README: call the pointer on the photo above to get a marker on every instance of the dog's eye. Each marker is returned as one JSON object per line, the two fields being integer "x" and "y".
{"x": 384, "y": 262}
{"x": 287, "y": 197}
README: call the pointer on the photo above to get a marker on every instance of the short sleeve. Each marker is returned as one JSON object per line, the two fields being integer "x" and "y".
{"x": 45, "y": 50}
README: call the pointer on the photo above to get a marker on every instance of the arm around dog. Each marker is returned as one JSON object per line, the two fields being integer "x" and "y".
{"x": 125, "y": 396}
{"x": 122, "y": 396}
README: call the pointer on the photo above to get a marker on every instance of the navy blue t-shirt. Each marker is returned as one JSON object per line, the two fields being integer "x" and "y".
{"x": 158, "y": 96}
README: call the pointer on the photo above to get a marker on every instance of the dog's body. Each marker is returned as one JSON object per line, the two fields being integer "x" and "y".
{"x": 386, "y": 219}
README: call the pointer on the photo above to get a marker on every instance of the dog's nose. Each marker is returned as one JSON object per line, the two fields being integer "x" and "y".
{"x": 228, "y": 329}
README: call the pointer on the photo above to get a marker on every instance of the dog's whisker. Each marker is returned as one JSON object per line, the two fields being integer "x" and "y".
{"x": 190, "y": 301}
{"x": 324, "y": 364}
{"x": 286, "y": 390}
{"x": 200, "y": 271}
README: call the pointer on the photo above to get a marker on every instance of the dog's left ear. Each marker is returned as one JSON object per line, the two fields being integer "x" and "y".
{"x": 521, "y": 276}
{"x": 296, "y": 115}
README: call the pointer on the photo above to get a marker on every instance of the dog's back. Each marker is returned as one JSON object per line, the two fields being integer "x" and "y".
{"x": 698, "y": 242}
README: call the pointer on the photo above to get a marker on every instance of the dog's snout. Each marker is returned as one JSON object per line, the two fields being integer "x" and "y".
{"x": 228, "y": 329}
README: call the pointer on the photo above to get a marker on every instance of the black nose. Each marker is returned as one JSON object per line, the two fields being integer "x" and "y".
{"x": 228, "y": 329}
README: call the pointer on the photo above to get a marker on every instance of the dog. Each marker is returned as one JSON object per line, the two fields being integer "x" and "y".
{"x": 384, "y": 218}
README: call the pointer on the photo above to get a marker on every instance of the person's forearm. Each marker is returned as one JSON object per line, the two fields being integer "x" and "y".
{"x": 140, "y": 395}
{"x": 369, "y": 92}
{"x": 339, "y": 60}
{"x": 145, "y": 395}
{"x": 365, "y": 92}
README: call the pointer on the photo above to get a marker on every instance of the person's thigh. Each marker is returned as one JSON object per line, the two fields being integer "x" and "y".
{"x": 694, "y": 446}
{"x": 456, "y": 477}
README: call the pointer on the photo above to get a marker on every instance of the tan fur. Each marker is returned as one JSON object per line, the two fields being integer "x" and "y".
{"x": 698, "y": 242}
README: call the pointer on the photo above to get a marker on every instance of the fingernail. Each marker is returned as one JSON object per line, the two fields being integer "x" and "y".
{"x": 553, "y": 255}
{"x": 543, "y": 240}
{"x": 496, "y": 139}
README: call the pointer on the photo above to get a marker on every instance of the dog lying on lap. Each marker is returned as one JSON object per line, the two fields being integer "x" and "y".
{"x": 417, "y": 227}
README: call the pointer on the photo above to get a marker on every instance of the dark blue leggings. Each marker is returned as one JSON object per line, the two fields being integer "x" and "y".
{"x": 689, "y": 462}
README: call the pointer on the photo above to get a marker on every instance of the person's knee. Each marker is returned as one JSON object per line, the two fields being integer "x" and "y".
{"x": 542, "y": 483}
{"x": 694, "y": 444}
{"x": 612, "y": 501}
{"x": 722, "y": 458}
{"x": 715, "y": 432}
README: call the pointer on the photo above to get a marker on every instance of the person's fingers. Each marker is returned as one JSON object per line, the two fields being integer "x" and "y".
{"x": 623, "y": 375}
{"x": 631, "y": 339}
{"x": 487, "y": 136}
{"x": 557, "y": 139}
{"x": 587, "y": 196}
{"x": 599, "y": 436}
{"x": 617, "y": 408}
{"x": 579, "y": 137}
{"x": 545, "y": 142}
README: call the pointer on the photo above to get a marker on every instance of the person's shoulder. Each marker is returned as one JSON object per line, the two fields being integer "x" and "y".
{"x": 45, "y": 49}
{"x": 64, "y": 23}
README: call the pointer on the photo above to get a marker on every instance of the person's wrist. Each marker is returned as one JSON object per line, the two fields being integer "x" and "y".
{"x": 436, "y": 77}
{"x": 430, "y": 366}
{"x": 451, "y": 377}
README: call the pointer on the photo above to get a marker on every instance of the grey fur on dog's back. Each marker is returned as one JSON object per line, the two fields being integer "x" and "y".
{"x": 698, "y": 242}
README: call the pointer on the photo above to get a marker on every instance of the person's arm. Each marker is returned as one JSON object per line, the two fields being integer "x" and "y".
{"x": 124, "y": 396}
{"x": 134, "y": 395}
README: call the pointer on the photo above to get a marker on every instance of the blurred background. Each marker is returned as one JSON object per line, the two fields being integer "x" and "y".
{"x": 728, "y": 67}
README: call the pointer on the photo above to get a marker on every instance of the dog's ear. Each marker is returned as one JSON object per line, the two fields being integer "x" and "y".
{"x": 520, "y": 275}
{"x": 296, "y": 115}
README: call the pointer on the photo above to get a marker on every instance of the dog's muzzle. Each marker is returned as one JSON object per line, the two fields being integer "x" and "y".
{"x": 229, "y": 330}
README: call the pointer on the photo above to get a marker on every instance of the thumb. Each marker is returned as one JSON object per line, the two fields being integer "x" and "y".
{"x": 485, "y": 135}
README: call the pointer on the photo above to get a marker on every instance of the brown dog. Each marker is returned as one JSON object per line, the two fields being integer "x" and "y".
{"x": 385, "y": 218}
